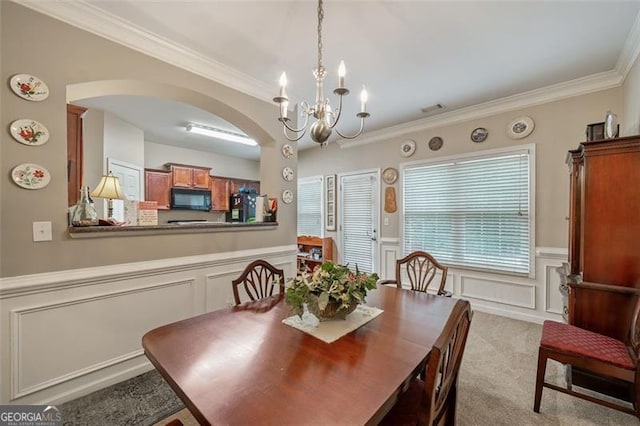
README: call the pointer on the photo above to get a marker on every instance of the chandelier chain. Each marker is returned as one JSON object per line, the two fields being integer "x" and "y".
{"x": 325, "y": 118}
{"x": 320, "y": 18}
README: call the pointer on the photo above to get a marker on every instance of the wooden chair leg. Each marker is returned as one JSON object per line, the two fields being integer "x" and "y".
{"x": 542, "y": 368}
{"x": 453, "y": 398}
{"x": 568, "y": 376}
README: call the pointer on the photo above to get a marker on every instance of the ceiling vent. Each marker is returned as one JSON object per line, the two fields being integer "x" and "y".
{"x": 433, "y": 108}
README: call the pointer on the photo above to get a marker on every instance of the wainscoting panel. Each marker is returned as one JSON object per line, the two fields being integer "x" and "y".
{"x": 64, "y": 335}
{"x": 504, "y": 292}
{"x": 520, "y": 298}
{"x": 389, "y": 252}
{"x": 110, "y": 326}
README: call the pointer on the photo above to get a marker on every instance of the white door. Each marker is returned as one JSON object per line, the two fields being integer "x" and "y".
{"x": 131, "y": 181}
{"x": 358, "y": 220}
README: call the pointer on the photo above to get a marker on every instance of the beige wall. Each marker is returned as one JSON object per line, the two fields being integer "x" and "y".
{"x": 630, "y": 123}
{"x": 62, "y": 55}
{"x": 559, "y": 126}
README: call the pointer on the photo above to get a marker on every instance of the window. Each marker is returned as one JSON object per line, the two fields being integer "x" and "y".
{"x": 310, "y": 206}
{"x": 472, "y": 211}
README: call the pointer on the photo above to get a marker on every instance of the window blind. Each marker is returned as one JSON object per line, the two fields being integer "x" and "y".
{"x": 310, "y": 206}
{"x": 471, "y": 213}
{"x": 357, "y": 221}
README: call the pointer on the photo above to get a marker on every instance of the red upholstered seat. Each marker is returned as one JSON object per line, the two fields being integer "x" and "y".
{"x": 595, "y": 354}
{"x": 585, "y": 343}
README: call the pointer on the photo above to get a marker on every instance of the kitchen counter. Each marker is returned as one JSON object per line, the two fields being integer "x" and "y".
{"x": 172, "y": 228}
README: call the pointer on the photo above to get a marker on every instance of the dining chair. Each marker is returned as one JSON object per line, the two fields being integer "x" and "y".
{"x": 593, "y": 353}
{"x": 432, "y": 401}
{"x": 420, "y": 269}
{"x": 259, "y": 279}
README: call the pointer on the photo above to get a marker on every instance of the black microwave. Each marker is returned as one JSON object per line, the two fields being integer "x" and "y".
{"x": 191, "y": 199}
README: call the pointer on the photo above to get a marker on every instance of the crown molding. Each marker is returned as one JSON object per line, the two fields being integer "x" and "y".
{"x": 630, "y": 50}
{"x": 87, "y": 17}
{"x": 555, "y": 92}
{"x": 83, "y": 15}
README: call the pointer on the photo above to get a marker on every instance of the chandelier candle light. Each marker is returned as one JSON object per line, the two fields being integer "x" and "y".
{"x": 326, "y": 119}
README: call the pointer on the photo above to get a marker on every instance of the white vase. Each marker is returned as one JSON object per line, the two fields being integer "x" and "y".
{"x": 610, "y": 125}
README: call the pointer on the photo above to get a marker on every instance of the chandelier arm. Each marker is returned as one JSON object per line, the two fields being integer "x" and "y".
{"x": 339, "y": 113}
{"x": 291, "y": 129}
{"x": 358, "y": 133}
{"x": 284, "y": 130}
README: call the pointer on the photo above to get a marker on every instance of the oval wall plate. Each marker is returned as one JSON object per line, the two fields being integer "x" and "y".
{"x": 29, "y": 87}
{"x": 29, "y": 132}
{"x": 520, "y": 128}
{"x": 479, "y": 134}
{"x": 287, "y": 196}
{"x": 287, "y": 174}
{"x": 30, "y": 176}
{"x": 407, "y": 148}
{"x": 435, "y": 143}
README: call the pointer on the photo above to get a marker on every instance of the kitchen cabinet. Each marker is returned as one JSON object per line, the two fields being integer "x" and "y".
{"x": 184, "y": 176}
{"x": 220, "y": 192}
{"x": 222, "y": 188}
{"x": 236, "y": 184}
{"x": 157, "y": 184}
{"x": 313, "y": 251}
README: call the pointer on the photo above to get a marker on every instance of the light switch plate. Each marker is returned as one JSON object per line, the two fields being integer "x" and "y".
{"x": 386, "y": 221}
{"x": 42, "y": 231}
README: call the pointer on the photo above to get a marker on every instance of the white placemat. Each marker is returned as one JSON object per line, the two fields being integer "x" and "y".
{"x": 330, "y": 331}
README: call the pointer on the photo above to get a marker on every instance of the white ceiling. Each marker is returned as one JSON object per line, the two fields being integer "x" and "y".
{"x": 409, "y": 54}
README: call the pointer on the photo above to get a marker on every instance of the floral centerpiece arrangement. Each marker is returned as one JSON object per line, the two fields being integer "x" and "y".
{"x": 329, "y": 291}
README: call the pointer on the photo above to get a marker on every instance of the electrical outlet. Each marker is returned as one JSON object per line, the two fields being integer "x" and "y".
{"x": 42, "y": 231}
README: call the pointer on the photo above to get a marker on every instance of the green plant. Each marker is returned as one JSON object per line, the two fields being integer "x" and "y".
{"x": 329, "y": 283}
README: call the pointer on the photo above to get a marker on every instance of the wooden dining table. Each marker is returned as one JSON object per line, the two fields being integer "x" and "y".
{"x": 243, "y": 366}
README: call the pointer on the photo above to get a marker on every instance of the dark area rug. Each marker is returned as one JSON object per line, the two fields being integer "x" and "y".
{"x": 142, "y": 400}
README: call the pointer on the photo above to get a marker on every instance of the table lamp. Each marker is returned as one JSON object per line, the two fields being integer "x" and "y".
{"x": 109, "y": 188}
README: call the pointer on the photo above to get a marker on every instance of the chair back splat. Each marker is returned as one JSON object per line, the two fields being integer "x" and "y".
{"x": 259, "y": 279}
{"x": 433, "y": 401}
{"x": 421, "y": 269}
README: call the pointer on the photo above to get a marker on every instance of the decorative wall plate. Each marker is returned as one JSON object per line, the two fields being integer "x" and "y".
{"x": 408, "y": 148}
{"x": 435, "y": 143}
{"x": 29, "y": 87}
{"x": 389, "y": 175}
{"x": 287, "y": 151}
{"x": 287, "y": 174}
{"x": 520, "y": 128}
{"x": 29, "y": 132}
{"x": 479, "y": 135}
{"x": 287, "y": 196}
{"x": 30, "y": 176}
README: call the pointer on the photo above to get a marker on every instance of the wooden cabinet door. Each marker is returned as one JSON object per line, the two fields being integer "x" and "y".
{"x": 158, "y": 187}
{"x": 74, "y": 152}
{"x": 255, "y": 185}
{"x": 220, "y": 194}
{"x": 200, "y": 178}
{"x": 181, "y": 176}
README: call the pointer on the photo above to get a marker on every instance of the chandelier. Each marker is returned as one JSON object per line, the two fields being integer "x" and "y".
{"x": 325, "y": 118}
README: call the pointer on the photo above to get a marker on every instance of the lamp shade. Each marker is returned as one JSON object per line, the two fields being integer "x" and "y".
{"x": 109, "y": 187}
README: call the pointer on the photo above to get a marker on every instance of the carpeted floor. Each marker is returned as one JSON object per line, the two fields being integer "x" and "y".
{"x": 496, "y": 385}
{"x": 142, "y": 400}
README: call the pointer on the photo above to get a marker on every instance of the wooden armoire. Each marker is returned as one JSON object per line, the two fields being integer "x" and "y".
{"x": 604, "y": 234}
